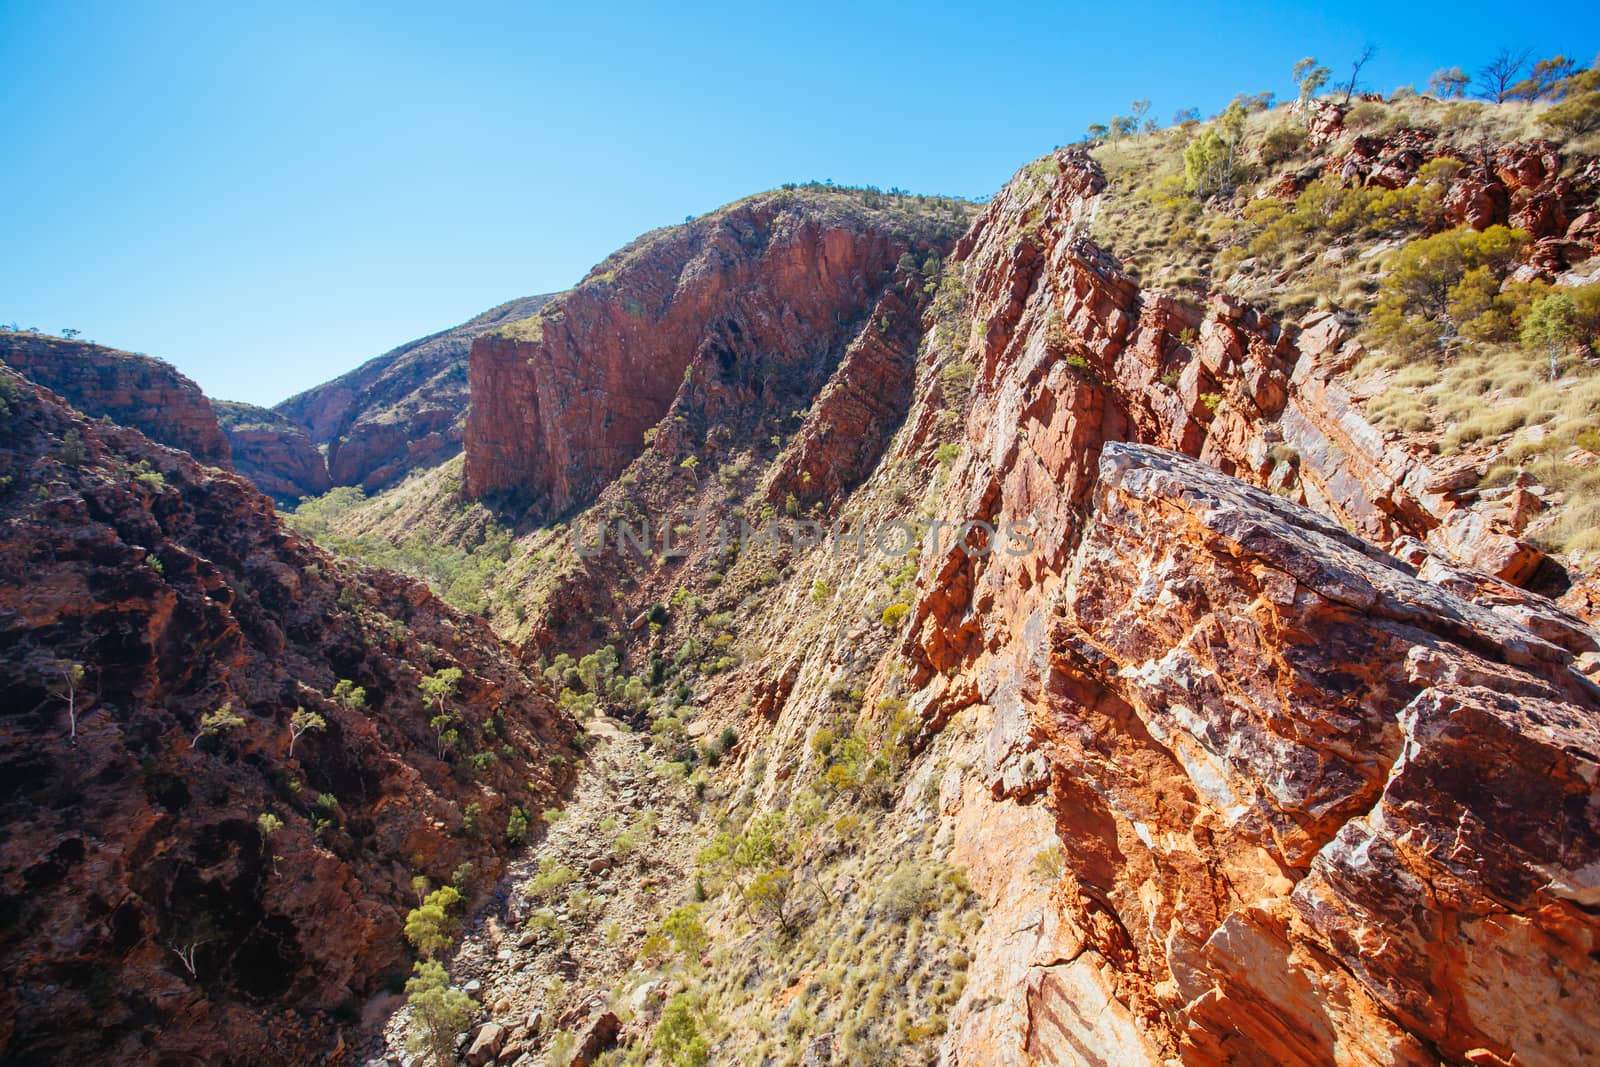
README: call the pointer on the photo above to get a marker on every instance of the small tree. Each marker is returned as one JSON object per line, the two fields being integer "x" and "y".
{"x": 70, "y": 333}
{"x": 445, "y": 734}
{"x": 216, "y": 723}
{"x": 1546, "y": 78}
{"x": 690, "y": 464}
{"x": 185, "y": 952}
{"x": 1203, "y": 161}
{"x": 770, "y": 898}
{"x": 1140, "y": 109}
{"x": 688, "y": 936}
{"x": 439, "y": 1012}
{"x": 1355, "y": 71}
{"x": 268, "y": 823}
{"x": 1497, "y": 77}
{"x": 350, "y": 694}
{"x": 442, "y": 686}
{"x": 1579, "y": 110}
{"x": 430, "y": 927}
{"x": 1552, "y": 323}
{"x": 1449, "y": 84}
{"x": 303, "y": 722}
{"x": 1309, "y": 78}
{"x": 67, "y": 683}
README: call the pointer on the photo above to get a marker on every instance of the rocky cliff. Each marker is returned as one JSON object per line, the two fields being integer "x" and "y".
{"x": 400, "y": 411}
{"x": 1303, "y": 790}
{"x": 130, "y": 389}
{"x": 1313, "y": 807}
{"x": 192, "y": 872}
{"x": 769, "y": 290}
{"x": 1270, "y": 749}
{"x": 274, "y": 453}
{"x": 1269, "y": 745}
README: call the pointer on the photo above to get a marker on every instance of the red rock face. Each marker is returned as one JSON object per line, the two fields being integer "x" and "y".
{"x": 1314, "y": 809}
{"x": 760, "y": 289}
{"x": 178, "y": 593}
{"x": 133, "y": 390}
{"x": 1299, "y": 784}
{"x": 853, "y": 417}
{"x": 1520, "y": 185}
{"x": 1387, "y": 162}
{"x": 402, "y": 411}
{"x": 274, "y": 453}
{"x": 1072, "y": 354}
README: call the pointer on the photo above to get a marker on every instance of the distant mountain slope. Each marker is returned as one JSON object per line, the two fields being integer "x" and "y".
{"x": 274, "y": 453}
{"x": 768, "y": 291}
{"x": 134, "y": 390}
{"x": 402, "y": 410}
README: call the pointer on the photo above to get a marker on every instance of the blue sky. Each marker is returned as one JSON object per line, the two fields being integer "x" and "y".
{"x": 269, "y": 197}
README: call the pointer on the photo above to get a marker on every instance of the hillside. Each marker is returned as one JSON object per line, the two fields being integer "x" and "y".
{"x": 1276, "y": 672}
{"x": 563, "y": 399}
{"x": 274, "y": 453}
{"x": 134, "y": 390}
{"x": 401, "y": 410}
{"x": 222, "y": 771}
{"x": 1147, "y": 618}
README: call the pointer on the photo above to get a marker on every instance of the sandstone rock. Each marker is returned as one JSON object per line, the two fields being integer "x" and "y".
{"x": 129, "y": 389}
{"x": 1241, "y": 690}
{"x": 1324, "y": 120}
{"x": 514, "y": 1051}
{"x": 562, "y": 402}
{"x": 1521, "y": 187}
{"x": 486, "y": 1044}
{"x": 1389, "y": 161}
{"x": 597, "y": 1037}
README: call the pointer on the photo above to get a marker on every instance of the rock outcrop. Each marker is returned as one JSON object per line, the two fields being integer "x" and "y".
{"x": 129, "y": 389}
{"x": 400, "y": 411}
{"x": 1314, "y": 809}
{"x": 190, "y": 874}
{"x": 772, "y": 288}
{"x": 1316, "y": 804}
{"x": 1070, "y": 353}
{"x": 273, "y": 452}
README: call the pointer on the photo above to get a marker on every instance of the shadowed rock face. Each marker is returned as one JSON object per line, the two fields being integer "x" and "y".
{"x": 400, "y": 411}
{"x": 133, "y": 390}
{"x": 770, "y": 286}
{"x": 177, "y": 593}
{"x": 274, "y": 453}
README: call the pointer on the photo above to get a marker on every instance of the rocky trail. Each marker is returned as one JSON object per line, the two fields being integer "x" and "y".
{"x": 564, "y": 925}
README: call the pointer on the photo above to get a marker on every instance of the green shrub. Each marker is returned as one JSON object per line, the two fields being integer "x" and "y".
{"x": 517, "y": 827}
{"x": 1280, "y": 143}
{"x": 430, "y": 927}
{"x": 678, "y": 1036}
{"x": 553, "y": 876}
{"x": 439, "y": 1012}
{"x": 1438, "y": 285}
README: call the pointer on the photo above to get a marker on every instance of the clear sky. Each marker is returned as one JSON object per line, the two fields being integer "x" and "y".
{"x": 269, "y": 197}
